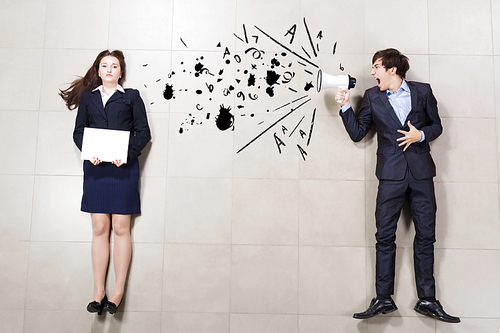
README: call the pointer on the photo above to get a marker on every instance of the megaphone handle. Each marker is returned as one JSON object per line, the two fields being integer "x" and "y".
{"x": 343, "y": 95}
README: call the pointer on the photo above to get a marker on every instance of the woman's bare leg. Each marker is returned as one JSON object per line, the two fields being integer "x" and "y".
{"x": 122, "y": 253}
{"x": 100, "y": 252}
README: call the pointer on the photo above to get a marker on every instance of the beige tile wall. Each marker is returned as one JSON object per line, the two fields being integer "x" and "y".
{"x": 255, "y": 241}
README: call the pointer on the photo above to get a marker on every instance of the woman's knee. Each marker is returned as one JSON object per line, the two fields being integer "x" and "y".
{"x": 100, "y": 225}
{"x": 100, "y": 230}
{"x": 121, "y": 226}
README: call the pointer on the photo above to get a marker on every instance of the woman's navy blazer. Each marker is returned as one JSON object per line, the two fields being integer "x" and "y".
{"x": 123, "y": 111}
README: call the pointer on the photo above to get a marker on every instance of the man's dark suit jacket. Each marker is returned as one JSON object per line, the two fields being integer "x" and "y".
{"x": 123, "y": 111}
{"x": 392, "y": 162}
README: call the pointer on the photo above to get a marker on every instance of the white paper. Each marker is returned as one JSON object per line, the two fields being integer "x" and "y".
{"x": 105, "y": 144}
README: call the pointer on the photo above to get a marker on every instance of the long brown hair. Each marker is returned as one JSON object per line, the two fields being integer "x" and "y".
{"x": 91, "y": 80}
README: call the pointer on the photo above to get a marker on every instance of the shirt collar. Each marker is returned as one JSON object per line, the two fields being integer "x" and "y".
{"x": 118, "y": 87}
{"x": 404, "y": 87}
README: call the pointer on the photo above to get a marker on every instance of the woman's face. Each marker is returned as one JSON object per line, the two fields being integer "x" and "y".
{"x": 109, "y": 70}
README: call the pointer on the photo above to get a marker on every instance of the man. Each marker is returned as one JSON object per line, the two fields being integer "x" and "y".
{"x": 406, "y": 119}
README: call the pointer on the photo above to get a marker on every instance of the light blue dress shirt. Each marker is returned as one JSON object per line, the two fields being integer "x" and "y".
{"x": 400, "y": 101}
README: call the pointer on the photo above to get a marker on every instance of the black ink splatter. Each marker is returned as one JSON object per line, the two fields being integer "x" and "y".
{"x": 251, "y": 80}
{"x": 270, "y": 91}
{"x": 199, "y": 67}
{"x": 188, "y": 122}
{"x": 281, "y": 72}
{"x": 168, "y": 93}
{"x": 275, "y": 63}
{"x": 272, "y": 77}
{"x": 225, "y": 119}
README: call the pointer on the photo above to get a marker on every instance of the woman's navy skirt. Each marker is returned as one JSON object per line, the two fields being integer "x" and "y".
{"x": 109, "y": 189}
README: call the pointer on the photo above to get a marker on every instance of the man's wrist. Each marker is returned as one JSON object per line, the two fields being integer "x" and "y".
{"x": 423, "y": 136}
{"x": 346, "y": 107}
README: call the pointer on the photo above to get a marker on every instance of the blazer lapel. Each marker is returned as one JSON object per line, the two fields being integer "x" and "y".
{"x": 95, "y": 97}
{"x": 118, "y": 94}
{"x": 388, "y": 107}
{"x": 414, "y": 95}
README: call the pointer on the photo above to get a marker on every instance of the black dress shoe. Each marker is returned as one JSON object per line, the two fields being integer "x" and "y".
{"x": 95, "y": 306}
{"x": 434, "y": 309}
{"x": 111, "y": 307}
{"x": 376, "y": 307}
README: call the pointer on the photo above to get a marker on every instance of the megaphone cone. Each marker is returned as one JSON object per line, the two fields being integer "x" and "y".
{"x": 325, "y": 81}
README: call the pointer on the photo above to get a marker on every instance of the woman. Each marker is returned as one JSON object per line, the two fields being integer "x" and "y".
{"x": 110, "y": 190}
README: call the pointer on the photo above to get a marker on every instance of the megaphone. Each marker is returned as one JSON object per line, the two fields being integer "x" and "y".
{"x": 325, "y": 81}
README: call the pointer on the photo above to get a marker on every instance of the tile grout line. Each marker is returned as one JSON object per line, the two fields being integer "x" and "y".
{"x": 34, "y": 179}
{"x": 231, "y": 247}
{"x": 165, "y": 211}
{"x": 429, "y": 70}
{"x": 495, "y": 85}
{"x": 365, "y": 282}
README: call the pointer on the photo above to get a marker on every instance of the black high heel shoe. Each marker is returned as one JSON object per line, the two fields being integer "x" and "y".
{"x": 95, "y": 306}
{"x": 111, "y": 307}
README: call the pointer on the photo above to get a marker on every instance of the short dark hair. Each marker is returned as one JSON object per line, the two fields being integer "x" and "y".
{"x": 393, "y": 58}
